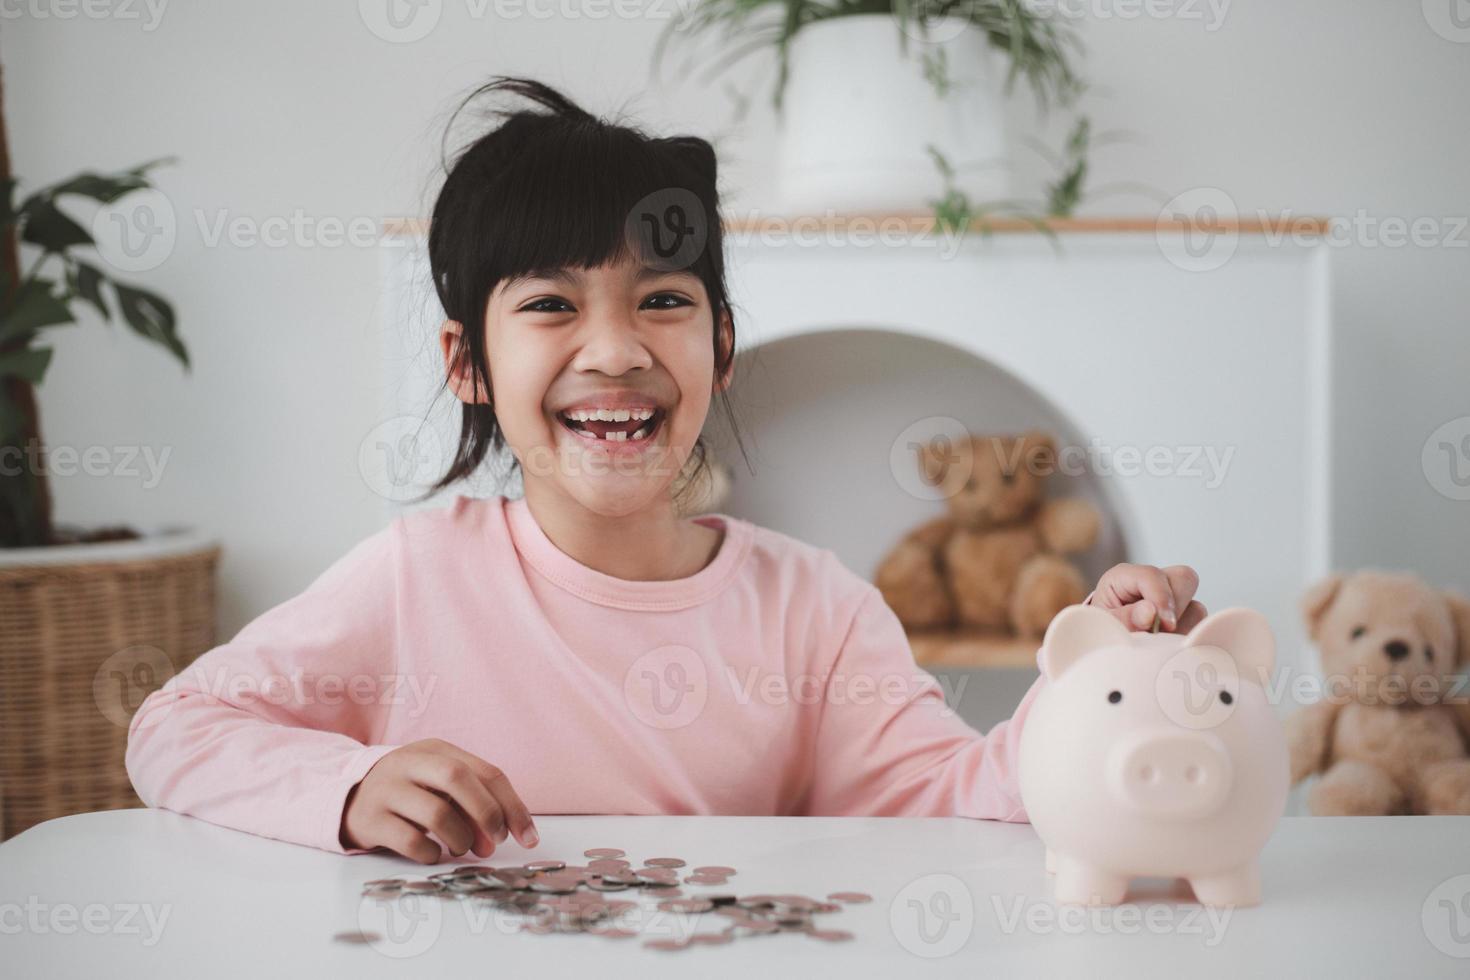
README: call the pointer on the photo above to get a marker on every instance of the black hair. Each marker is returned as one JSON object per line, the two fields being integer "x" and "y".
{"x": 561, "y": 188}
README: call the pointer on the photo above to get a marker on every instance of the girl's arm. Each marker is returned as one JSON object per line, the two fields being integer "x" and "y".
{"x": 888, "y": 745}
{"x": 268, "y": 732}
{"x": 906, "y": 753}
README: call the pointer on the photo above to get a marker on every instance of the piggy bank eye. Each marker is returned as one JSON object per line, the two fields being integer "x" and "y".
{"x": 1114, "y": 697}
{"x": 1226, "y": 697}
{"x": 1359, "y": 631}
{"x": 1429, "y": 653}
{"x": 1008, "y": 477}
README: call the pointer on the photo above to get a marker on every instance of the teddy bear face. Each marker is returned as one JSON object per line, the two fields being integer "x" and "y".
{"x": 989, "y": 480}
{"x": 1387, "y": 637}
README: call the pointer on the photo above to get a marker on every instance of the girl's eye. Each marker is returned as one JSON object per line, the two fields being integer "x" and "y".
{"x": 541, "y": 305}
{"x": 675, "y": 301}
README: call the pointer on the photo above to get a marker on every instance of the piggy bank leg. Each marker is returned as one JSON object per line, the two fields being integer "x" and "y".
{"x": 1079, "y": 883}
{"x": 1236, "y": 888}
{"x": 1051, "y": 862}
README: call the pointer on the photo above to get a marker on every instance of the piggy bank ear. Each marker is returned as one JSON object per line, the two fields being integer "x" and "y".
{"x": 1245, "y": 635}
{"x": 1077, "y": 630}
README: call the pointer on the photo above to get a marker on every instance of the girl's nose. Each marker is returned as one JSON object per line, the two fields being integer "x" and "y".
{"x": 611, "y": 346}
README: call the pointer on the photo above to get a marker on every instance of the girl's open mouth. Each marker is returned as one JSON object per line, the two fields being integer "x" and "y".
{"x": 614, "y": 425}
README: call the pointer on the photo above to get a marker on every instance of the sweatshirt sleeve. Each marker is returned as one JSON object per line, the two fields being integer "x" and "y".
{"x": 268, "y": 732}
{"x": 898, "y": 749}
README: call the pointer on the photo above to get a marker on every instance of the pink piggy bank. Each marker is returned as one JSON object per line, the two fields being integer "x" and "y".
{"x": 1154, "y": 754}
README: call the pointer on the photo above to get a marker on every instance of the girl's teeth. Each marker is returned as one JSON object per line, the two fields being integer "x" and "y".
{"x": 642, "y": 433}
{"x": 617, "y": 436}
{"x": 610, "y": 414}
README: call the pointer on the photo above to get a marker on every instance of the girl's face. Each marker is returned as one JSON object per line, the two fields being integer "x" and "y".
{"x": 602, "y": 379}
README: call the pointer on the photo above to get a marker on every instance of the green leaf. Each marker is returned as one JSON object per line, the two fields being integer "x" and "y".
{"x": 152, "y": 317}
{"x": 44, "y": 225}
{"x": 86, "y": 282}
{"x": 107, "y": 187}
{"x": 29, "y": 363}
{"x": 35, "y": 307}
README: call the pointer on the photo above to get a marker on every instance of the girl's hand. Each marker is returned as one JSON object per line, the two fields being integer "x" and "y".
{"x": 432, "y": 786}
{"x": 1135, "y": 593}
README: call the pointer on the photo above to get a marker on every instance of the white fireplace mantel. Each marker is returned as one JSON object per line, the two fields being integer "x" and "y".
{"x": 1131, "y": 349}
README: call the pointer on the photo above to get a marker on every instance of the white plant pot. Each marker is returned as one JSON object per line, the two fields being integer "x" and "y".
{"x": 858, "y": 112}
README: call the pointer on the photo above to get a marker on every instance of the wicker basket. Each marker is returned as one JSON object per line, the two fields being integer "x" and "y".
{"x": 86, "y": 631}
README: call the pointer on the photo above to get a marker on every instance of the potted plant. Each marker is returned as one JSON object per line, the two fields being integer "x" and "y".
{"x": 891, "y": 104}
{"x": 90, "y": 620}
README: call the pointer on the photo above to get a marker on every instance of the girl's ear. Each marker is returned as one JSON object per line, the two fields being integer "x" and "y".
{"x": 727, "y": 341}
{"x": 458, "y": 370}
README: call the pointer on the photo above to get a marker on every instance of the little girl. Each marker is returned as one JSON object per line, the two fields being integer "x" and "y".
{"x": 582, "y": 649}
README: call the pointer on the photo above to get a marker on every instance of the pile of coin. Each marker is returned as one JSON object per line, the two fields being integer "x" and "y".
{"x": 554, "y": 897}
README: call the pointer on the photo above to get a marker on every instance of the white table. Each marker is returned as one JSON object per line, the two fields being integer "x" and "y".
{"x": 1344, "y": 898}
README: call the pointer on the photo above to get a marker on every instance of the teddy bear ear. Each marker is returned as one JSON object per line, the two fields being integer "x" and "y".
{"x": 1317, "y": 600}
{"x": 1075, "y": 632}
{"x": 1244, "y": 634}
{"x": 1460, "y": 612}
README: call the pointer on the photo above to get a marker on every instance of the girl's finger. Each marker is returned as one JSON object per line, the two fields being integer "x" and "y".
{"x": 1183, "y": 583}
{"x": 1135, "y": 615}
{"x": 1141, "y": 615}
{"x": 1153, "y": 586}
{"x": 516, "y": 816}
{"x": 401, "y": 837}
{"x": 1193, "y": 614}
{"x": 449, "y": 774}
{"x": 435, "y": 813}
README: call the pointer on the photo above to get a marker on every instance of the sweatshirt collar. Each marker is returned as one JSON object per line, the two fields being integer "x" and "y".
{"x": 538, "y": 551}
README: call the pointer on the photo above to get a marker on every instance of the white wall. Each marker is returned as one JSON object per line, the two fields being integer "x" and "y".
{"x": 282, "y": 109}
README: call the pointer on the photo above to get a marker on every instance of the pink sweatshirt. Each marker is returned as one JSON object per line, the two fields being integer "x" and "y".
{"x": 772, "y": 681}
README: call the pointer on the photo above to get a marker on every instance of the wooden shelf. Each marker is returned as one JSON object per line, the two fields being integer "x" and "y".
{"x": 921, "y": 222}
{"x": 944, "y": 649}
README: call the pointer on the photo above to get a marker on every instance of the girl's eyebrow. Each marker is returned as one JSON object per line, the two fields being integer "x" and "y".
{"x": 571, "y": 277}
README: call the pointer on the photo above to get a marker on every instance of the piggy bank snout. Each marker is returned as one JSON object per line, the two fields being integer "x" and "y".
{"x": 1170, "y": 773}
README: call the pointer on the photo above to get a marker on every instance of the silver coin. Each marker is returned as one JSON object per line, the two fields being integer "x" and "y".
{"x": 535, "y": 866}
{"x": 666, "y": 944}
{"x": 830, "y": 935}
{"x": 604, "y": 852}
{"x": 714, "y": 869}
{"x": 665, "y": 862}
{"x": 687, "y": 906}
{"x": 356, "y": 938}
{"x": 850, "y": 898}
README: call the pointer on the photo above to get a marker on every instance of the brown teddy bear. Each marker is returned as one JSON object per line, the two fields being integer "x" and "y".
{"x": 1388, "y": 734}
{"x": 994, "y": 561}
